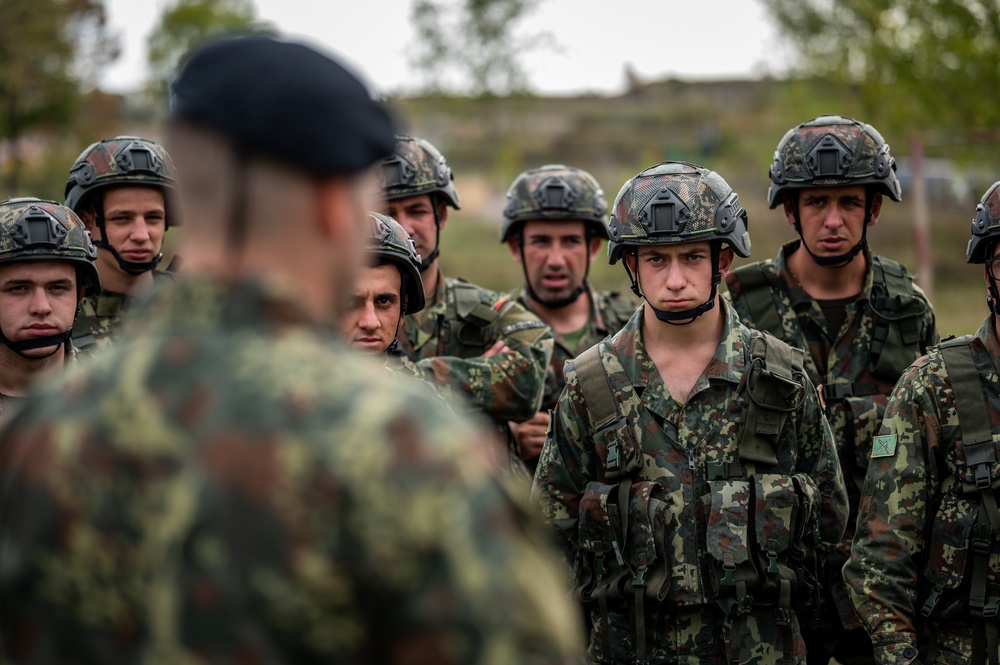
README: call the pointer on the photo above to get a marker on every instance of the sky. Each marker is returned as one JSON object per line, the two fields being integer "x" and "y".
{"x": 594, "y": 40}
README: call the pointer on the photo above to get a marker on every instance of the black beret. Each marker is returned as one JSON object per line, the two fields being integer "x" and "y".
{"x": 285, "y": 101}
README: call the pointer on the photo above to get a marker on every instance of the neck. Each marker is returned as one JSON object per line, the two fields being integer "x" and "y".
{"x": 430, "y": 279}
{"x": 825, "y": 282}
{"x": 706, "y": 330}
{"x": 117, "y": 281}
{"x": 566, "y": 319}
{"x": 17, "y": 372}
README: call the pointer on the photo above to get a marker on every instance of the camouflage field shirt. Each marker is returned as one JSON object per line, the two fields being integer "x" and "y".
{"x": 232, "y": 485}
{"x": 609, "y": 311}
{"x": 101, "y": 315}
{"x": 685, "y": 518}
{"x": 505, "y": 387}
{"x": 915, "y": 523}
{"x": 9, "y": 405}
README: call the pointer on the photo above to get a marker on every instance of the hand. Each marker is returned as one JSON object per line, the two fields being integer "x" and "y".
{"x": 498, "y": 347}
{"x": 530, "y": 435}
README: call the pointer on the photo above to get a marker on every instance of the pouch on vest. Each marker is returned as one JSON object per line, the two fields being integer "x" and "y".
{"x": 728, "y": 536}
{"x": 617, "y": 449}
{"x": 647, "y": 542}
{"x": 602, "y": 545}
{"x": 898, "y": 311}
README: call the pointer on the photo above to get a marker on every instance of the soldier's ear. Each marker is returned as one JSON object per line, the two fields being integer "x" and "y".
{"x": 595, "y": 247}
{"x": 726, "y": 257}
{"x": 876, "y": 208}
{"x": 514, "y": 245}
{"x": 789, "y": 207}
{"x": 442, "y": 213}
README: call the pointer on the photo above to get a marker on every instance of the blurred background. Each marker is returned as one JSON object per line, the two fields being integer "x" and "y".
{"x": 612, "y": 87}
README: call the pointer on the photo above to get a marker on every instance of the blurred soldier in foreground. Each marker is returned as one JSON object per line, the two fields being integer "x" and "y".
{"x": 689, "y": 465}
{"x": 386, "y": 288}
{"x": 122, "y": 189}
{"x": 553, "y": 224}
{"x": 860, "y": 317}
{"x": 468, "y": 341}
{"x": 46, "y": 268}
{"x": 924, "y": 573}
{"x": 232, "y": 486}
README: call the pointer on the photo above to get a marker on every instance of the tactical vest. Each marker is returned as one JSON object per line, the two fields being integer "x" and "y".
{"x": 897, "y": 310}
{"x": 762, "y": 528}
{"x": 106, "y": 307}
{"x": 965, "y": 530}
{"x": 467, "y": 324}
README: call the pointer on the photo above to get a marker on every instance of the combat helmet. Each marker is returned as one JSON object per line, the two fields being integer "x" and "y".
{"x": 675, "y": 203}
{"x": 391, "y": 243}
{"x": 123, "y": 160}
{"x": 555, "y": 192}
{"x": 35, "y": 230}
{"x": 833, "y": 151}
{"x": 985, "y": 233}
{"x": 417, "y": 167}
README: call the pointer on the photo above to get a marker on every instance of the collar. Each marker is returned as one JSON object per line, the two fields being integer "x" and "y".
{"x": 797, "y": 295}
{"x": 595, "y": 321}
{"x": 988, "y": 334}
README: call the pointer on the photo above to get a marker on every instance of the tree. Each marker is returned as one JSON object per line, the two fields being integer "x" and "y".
{"x": 49, "y": 49}
{"x": 472, "y": 44}
{"x": 186, "y": 23}
{"x": 929, "y": 64}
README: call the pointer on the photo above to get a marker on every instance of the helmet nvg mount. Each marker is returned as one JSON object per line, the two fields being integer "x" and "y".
{"x": 124, "y": 160}
{"x": 832, "y": 151}
{"x": 675, "y": 203}
{"x": 417, "y": 167}
{"x": 390, "y": 242}
{"x": 36, "y": 230}
{"x": 985, "y": 233}
{"x": 555, "y": 193}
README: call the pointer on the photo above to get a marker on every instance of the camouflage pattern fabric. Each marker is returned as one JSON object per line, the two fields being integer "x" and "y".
{"x": 679, "y": 519}
{"x": 833, "y": 359}
{"x": 100, "y": 316}
{"x": 607, "y": 316}
{"x": 506, "y": 387}
{"x": 417, "y": 167}
{"x": 915, "y": 523}
{"x": 9, "y": 405}
{"x": 232, "y": 485}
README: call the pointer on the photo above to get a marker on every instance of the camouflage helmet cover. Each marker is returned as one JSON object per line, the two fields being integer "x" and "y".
{"x": 389, "y": 241}
{"x": 124, "y": 160}
{"x": 36, "y": 230}
{"x": 985, "y": 226}
{"x": 555, "y": 192}
{"x": 832, "y": 151}
{"x": 674, "y": 203}
{"x": 417, "y": 167}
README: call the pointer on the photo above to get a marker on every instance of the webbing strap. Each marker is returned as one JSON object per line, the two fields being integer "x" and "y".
{"x": 755, "y": 286}
{"x": 967, "y": 388}
{"x": 596, "y": 390}
{"x": 773, "y": 390}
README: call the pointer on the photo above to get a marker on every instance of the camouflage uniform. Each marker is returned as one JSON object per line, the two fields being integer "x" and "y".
{"x": 138, "y": 540}
{"x": 117, "y": 162}
{"x": 687, "y": 548}
{"x": 886, "y": 327}
{"x": 924, "y": 574}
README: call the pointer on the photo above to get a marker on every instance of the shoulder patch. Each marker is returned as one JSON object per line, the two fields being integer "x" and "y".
{"x": 884, "y": 445}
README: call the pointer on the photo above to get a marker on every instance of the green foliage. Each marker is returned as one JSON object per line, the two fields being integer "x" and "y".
{"x": 48, "y": 50}
{"x": 928, "y": 64}
{"x": 186, "y": 23}
{"x": 471, "y": 45}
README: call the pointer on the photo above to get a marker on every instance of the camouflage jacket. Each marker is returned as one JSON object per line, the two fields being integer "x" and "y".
{"x": 9, "y": 404}
{"x": 689, "y": 495}
{"x": 505, "y": 387}
{"x": 101, "y": 315}
{"x": 916, "y": 522}
{"x": 232, "y": 484}
{"x": 841, "y": 363}
{"x": 610, "y": 310}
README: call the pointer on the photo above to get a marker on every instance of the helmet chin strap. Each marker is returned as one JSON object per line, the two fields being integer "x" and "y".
{"x": 841, "y": 259}
{"x": 993, "y": 301}
{"x": 55, "y": 341}
{"x": 131, "y": 267}
{"x": 425, "y": 262}
{"x": 557, "y": 303}
{"x": 683, "y": 317}
{"x": 394, "y": 344}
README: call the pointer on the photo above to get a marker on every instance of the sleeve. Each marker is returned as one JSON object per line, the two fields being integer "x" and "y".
{"x": 509, "y": 385}
{"x": 561, "y": 476}
{"x": 882, "y": 572}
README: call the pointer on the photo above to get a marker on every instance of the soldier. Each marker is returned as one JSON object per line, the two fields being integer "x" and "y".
{"x": 385, "y": 290}
{"x": 553, "y": 224}
{"x": 859, "y": 315}
{"x": 46, "y": 269}
{"x": 122, "y": 189}
{"x": 229, "y": 485}
{"x": 468, "y": 340}
{"x": 689, "y": 466}
{"x": 924, "y": 574}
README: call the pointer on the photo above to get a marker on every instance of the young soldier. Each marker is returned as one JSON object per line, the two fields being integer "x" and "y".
{"x": 228, "y": 485}
{"x": 689, "y": 465}
{"x": 122, "y": 189}
{"x": 468, "y": 341}
{"x": 553, "y": 224}
{"x": 387, "y": 288}
{"x": 924, "y": 573}
{"x": 46, "y": 269}
{"x": 859, "y": 315}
